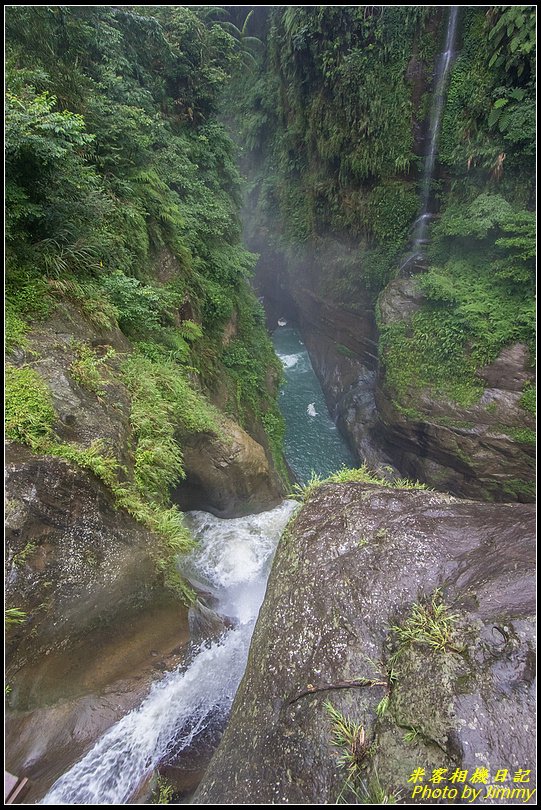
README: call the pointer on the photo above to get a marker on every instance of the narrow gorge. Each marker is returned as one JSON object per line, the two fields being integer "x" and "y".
{"x": 270, "y": 404}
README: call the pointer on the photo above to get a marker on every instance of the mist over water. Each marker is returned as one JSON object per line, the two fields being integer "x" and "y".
{"x": 312, "y": 442}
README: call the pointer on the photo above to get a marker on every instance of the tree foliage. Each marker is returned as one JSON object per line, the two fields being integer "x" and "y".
{"x": 123, "y": 196}
{"x": 329, "y": 126}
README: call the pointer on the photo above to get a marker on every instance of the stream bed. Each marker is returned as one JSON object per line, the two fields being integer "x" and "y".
{"x": 230, "y": 566}
{"x": 232, "y": 563}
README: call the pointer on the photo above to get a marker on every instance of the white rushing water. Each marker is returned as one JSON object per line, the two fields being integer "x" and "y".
{"x": 420, "y": 227}
{"x": 233, "y": 561}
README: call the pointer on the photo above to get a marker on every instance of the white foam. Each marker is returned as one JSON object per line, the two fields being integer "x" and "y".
{"x": 234, "y": 557}
{"x": 290, "y": 360}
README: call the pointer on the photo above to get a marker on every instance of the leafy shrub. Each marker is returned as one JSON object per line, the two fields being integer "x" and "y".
{"x": 163, "y": 405}
{"x": 29, "y": 410}
{"x": 86, "y": 369}
{"x": 15, "y": 329}
{"x": 140, "y": 307}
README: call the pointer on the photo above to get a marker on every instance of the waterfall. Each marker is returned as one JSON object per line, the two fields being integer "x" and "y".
{"x": 419, "y": 235}
{"x": 232, "y": 562}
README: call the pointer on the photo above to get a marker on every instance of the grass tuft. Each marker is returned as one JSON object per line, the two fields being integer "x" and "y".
{"x": 302, "y": 492}
{"x": 431, "y": 624}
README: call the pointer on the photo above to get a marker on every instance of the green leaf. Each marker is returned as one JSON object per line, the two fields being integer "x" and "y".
{"x": 493, "y": 117}
{"x": 503, "y": 121}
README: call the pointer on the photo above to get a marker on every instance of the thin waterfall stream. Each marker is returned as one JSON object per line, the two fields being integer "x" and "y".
{"x": 420, "y": 227}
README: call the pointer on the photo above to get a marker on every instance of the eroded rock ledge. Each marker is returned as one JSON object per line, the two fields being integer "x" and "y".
{"x": 355, "y": 561}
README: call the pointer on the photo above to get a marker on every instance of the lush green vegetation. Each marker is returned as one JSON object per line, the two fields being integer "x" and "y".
{"x": 30, "y": 419}
{"x": 328, "y": 123}
{"x": 480, "y": 283}
{"x": 163, "y": 404}
{"x": 123, "y": 195}
{"x": 29, "y": 411}
{"x": 528, "y": 399}
{"x": 122, "y": 198}
{"x": 120, "y": 181}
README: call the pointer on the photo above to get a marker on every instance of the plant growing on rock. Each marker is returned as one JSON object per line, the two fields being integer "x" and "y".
{"x": 346, "y": 475}
{"x": 431, "y": 624}
{"x": 355, "y": 750}
{"x": 164, "y": 791}
{"x": 86, "y": 369}
{"x": 351, "y": 741}
{"x": 29, "y": 411}
{"x": 14, "y": 616}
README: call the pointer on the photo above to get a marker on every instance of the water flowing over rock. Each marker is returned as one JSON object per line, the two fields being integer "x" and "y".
{"x": 99, "y": 620}
{"x": 420, "y": 228}
{"x": 356, "y": 560}
{"x": 232, "y": 563}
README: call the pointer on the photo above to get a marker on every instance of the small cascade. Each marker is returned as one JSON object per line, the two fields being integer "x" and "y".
{"x": 415, "y": 258}
{"x": 231, "y": 563}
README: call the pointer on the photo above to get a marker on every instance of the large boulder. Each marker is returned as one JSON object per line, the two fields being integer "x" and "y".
{"x": 229, "y": 475}
{"x": 75, "y": 563}
{"x": 353, "y": 566}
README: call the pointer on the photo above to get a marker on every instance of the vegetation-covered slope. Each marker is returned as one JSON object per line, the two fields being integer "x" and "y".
{"x": 122, "y": 211}
{"x": 334, "y": 132}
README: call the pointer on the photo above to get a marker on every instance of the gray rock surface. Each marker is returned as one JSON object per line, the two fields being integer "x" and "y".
{"x": 74, "y": 561}
{"x": 477, "y": 451}
{"x": 229, "y": 475}
{"x": 356, "y": 560}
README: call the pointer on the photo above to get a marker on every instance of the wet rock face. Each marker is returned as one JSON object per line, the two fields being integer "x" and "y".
{"x": 229, "y": 476}
{"x": 475, "y": 451}
{"x": 71, "y": 696}
{"x": 74, "y": 561}
{"x": 348, "y": 383}
{"x": 100, "y": 625}
{"x": 470, "y": 451}
{"x": 354, "y": 563}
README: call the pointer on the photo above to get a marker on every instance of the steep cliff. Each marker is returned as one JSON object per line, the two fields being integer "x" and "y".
{"x": 140, "y": 380}
{"x": 335, "y": 132}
